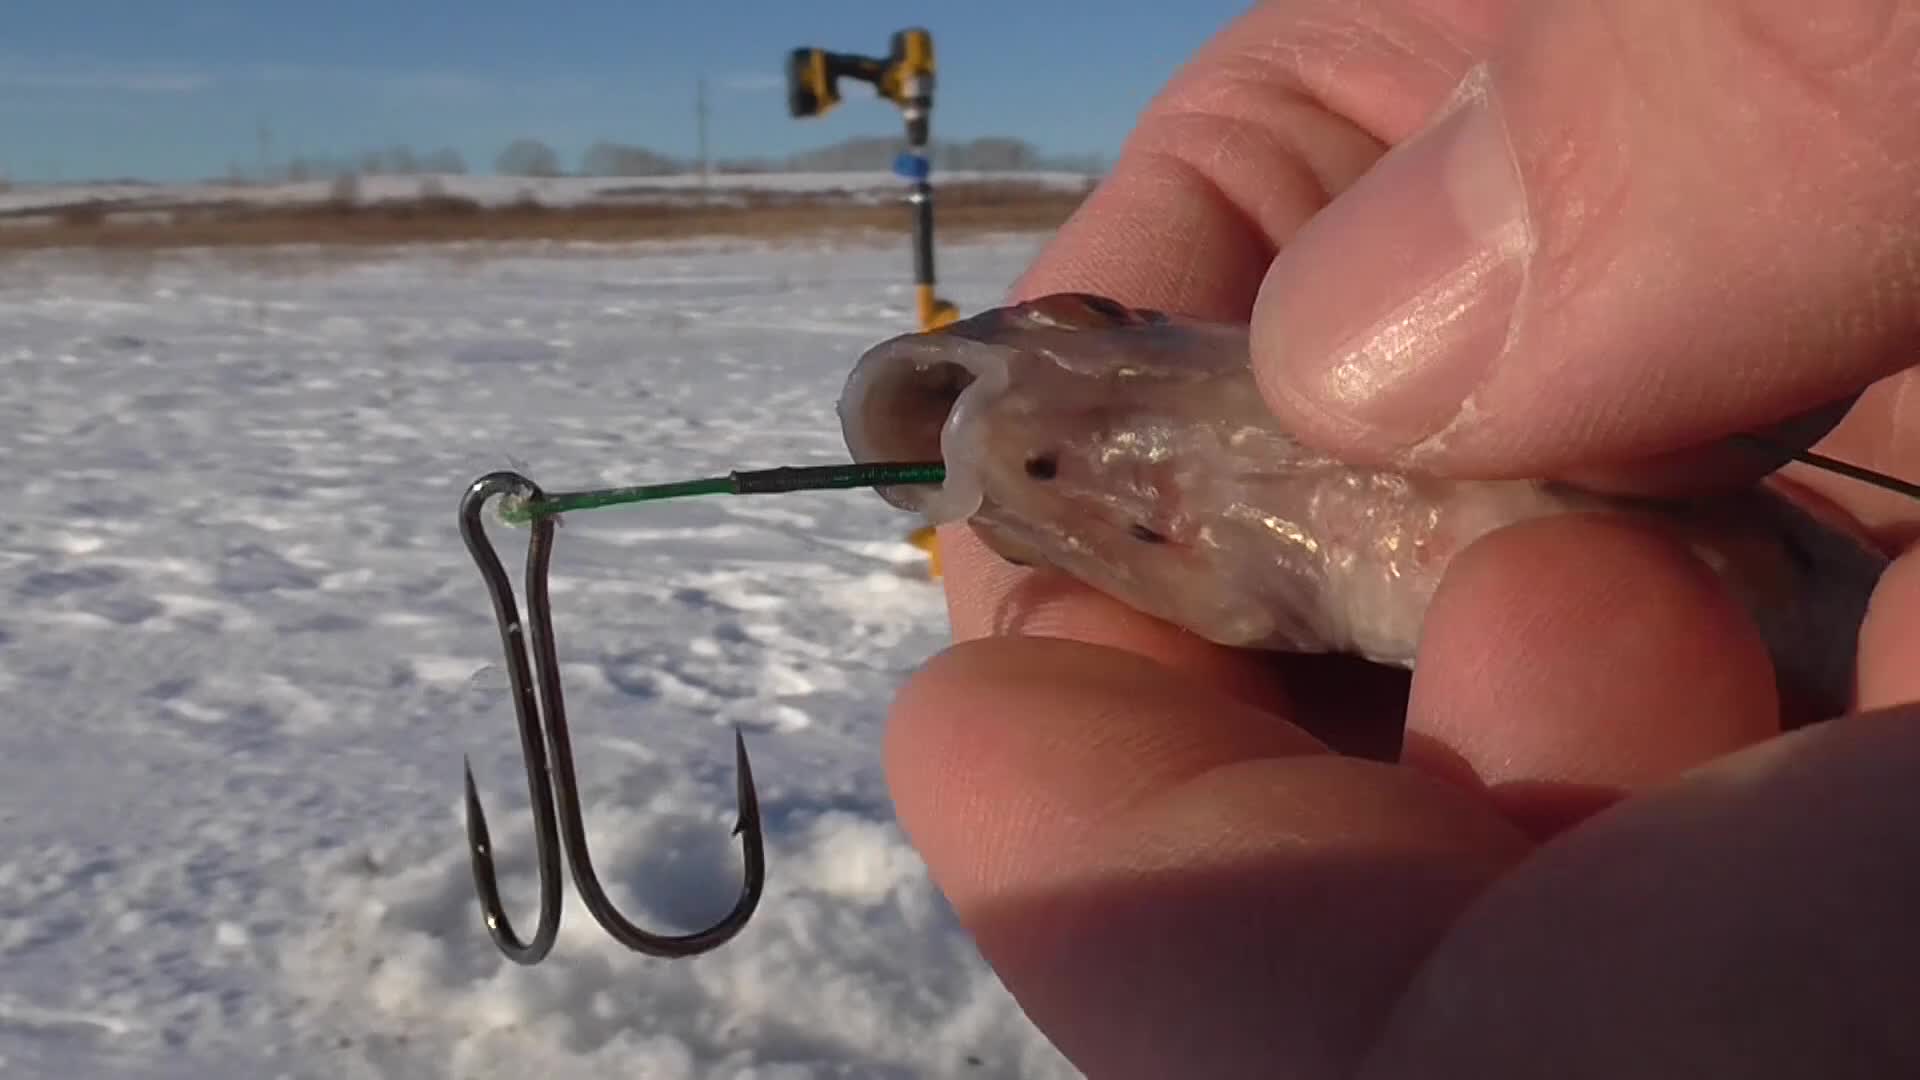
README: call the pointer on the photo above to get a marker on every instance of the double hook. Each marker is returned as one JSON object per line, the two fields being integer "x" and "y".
{"x": 551, "y": 781}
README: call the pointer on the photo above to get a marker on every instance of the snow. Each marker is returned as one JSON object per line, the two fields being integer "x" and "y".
{"x": 243, "y": 652}
{"x": 503, "y": 190}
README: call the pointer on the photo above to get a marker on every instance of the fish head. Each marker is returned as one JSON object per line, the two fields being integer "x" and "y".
{"x": 1084, "y": 436}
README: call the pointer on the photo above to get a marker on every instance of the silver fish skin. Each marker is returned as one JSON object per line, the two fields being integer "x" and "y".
{"x": 1131, "y": 450}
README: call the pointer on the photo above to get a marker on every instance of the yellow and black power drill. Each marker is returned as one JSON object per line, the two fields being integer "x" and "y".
{"x": 905, "y": 77}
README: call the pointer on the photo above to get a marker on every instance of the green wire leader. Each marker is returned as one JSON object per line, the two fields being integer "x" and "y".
{"x": 522, "y": 510}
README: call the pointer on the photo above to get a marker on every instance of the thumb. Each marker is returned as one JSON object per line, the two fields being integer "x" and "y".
{"x": 1636, "y": 228}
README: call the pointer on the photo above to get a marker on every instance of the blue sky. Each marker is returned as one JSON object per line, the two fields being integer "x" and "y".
{"x": 179, "y": 89}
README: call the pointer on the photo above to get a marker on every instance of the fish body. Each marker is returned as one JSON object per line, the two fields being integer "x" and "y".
{"x": 1131, "y": 450}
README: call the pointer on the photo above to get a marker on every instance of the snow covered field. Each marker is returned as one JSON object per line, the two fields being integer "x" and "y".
{"x": 243, "y": 651}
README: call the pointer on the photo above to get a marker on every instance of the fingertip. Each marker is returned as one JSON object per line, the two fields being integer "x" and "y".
{"x": 990, "y": 597}
{"x": 974, "y": 579}
{"x": 1890, "y": 637}
{"x": 1568, "y": 661}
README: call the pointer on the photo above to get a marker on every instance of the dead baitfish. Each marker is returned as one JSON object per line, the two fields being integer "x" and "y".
{"x": 1131, "y": 450}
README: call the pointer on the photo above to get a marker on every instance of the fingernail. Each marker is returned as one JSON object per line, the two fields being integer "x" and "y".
{"x": 1390, "y": 307}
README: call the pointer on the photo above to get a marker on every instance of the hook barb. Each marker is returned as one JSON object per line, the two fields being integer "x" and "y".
{"x": 546, "y": 750}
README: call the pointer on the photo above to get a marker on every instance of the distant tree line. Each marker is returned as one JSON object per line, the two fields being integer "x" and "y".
{"x": 865, "y": 153}
{"x": 530, "y": 157}
{"x": 387, "y": 161}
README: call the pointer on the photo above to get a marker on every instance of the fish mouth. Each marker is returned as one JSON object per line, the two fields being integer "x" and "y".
{"x": 917, "y": 397}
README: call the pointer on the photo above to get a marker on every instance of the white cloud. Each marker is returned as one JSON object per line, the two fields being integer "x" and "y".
{"x": 434, "y": 85}
{"x": 21, "y": 73}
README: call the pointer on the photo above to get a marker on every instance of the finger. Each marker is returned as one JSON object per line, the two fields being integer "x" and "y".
{"x": 1754, "y": 919}
{"x": 1570, "y": 661}
{"x": 989, "y": 597}
{"x": 1287, "y": 105}
{"x": 1638, "y": 227}
{"x": 1171, "y": 882}
{"x": 1890, "y": 637}
{"x": 1355, "y": 708}
{"x": 1722, "y": 465}
{"x": 1224, "y": 165}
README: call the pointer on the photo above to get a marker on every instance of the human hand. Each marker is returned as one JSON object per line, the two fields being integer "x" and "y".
{"x": 1152, "y": 838}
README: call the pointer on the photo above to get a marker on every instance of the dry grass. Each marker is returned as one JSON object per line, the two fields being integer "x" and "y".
{"x": 960, "y": 209}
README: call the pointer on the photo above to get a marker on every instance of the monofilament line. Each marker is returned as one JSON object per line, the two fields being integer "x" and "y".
{"x": 1834, "y": 465}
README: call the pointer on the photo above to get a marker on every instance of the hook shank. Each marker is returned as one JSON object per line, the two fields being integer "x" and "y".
{"x": 546, "y": 750}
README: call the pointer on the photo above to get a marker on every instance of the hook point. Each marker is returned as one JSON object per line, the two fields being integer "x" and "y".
{"x": 746, "y": 796}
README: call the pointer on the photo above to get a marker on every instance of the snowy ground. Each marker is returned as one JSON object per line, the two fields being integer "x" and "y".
{"x": 242, "y": 652}
{"x": 502, "y": 190}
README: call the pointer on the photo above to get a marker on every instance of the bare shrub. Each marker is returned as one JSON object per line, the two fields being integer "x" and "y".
{"x": 345, "y": 190}
{"x": 527, "y": 157}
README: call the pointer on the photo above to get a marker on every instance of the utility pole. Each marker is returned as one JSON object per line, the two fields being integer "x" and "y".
{"x": 700, "y": 125}
{"x": 265, "y": 136}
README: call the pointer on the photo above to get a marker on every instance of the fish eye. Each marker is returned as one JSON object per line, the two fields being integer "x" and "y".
{"x": 1043, "y": 466}
{"x": 1145, "y": 535}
